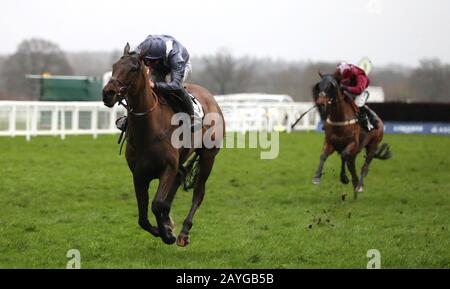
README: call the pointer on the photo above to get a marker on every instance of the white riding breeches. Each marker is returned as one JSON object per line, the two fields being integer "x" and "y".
{"x": 187, "y": 71}
{"x": 361, "y": 99}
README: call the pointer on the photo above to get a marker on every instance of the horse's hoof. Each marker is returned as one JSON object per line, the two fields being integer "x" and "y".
{"x": 169, "y": 238}
{"x": 359, "y": 189}
{"x": 345, "y": 180}
{"x": 316, "y": 181}
{"x": 183, "y": 240}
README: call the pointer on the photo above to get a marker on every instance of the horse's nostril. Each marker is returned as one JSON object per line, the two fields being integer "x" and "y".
{"x": 108, "y": 94}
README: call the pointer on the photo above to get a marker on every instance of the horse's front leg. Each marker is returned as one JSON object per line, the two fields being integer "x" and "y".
{"x": 349, "y": 154}
{"x": 344, "y": 178}
{"x": 141, "y": 185}
{"x": 327, "y": 151}
{"x": 161, "y": 204}
{"x": 169, "y": 200}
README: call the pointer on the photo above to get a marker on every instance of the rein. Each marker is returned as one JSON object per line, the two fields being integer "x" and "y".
{"x": 139, "y": 114}
{"x": 303, "y": 115}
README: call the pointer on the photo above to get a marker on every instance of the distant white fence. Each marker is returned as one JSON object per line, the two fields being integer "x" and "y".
{"x": 243, "y": 117}
{"x": 26, "y": 118}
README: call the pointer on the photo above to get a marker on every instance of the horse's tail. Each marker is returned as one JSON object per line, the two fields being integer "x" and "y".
{"x": 383, "y": 152}
{"x": 191, "y": 170}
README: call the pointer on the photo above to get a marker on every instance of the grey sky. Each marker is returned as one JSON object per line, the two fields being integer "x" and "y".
{"x": 387, "y": 31}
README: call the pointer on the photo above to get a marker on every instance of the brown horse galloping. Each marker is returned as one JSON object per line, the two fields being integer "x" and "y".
{"x": 344, "y": 135}
{"x": 149, "y": 152}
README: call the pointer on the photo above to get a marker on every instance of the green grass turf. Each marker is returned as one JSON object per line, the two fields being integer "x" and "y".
{"x": 77, "y": 194}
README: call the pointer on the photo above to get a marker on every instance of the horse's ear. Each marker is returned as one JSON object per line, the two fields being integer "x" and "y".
{"x": 320, "y": 74}
{"x": 126, "y": 50}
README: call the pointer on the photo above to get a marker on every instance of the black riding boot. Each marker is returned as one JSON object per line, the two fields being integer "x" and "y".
{"x": 372, "y": 117}
{"x": 187, "y": 102}
{"x": 363, "y": 119}
{"x": 189, "y": 109}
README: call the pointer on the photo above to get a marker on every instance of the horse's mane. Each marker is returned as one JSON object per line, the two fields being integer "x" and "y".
{"x": 143, "y": 68}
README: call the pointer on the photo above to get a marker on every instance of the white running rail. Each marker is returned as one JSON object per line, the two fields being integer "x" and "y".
{"x": 35, "y": 118}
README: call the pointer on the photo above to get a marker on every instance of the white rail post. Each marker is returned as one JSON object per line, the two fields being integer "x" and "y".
{"x": 112, "y": 118}
{"x": 54, "y": 123}
{"x": 27, "y": 124}
{"x": 34, "y": 121}
{"x": 94, "y": 120}
{"x": 75, "y": 119}
{"x": 63, "y": 123}
{"x": 12, "y": 120}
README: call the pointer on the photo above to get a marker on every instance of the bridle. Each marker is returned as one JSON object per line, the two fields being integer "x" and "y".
{"x": 332, "y": 100}
{"x": 123, "y": 90}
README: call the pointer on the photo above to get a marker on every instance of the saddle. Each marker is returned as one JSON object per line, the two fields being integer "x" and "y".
{"x": 176, "y": 103}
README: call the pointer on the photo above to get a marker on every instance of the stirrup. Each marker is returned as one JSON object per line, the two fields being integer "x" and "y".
{"x": 366, "y": 125}
{"x": 373, "y": 122}
{"x": 364, "y": 122}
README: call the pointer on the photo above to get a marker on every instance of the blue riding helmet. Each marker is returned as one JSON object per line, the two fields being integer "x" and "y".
{"x": 152, "y": 49}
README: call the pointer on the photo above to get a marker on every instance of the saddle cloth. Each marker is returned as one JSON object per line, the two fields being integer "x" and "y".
{"x": 198, "y": 109}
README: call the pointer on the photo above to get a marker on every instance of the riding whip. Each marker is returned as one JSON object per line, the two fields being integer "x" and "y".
{"x": 300, "y": 118}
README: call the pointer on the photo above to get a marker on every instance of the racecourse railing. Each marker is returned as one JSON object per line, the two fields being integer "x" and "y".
{"x": 35, "y": 118}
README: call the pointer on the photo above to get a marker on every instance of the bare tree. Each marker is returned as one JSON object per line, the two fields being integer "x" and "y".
{"x": 287, "y": 81}
{"x": 93, "y": 64}
{"x": 431, "y": 81}
{"x": 226, "y": 73}
{"x": 311, "y": 74}
{"x": 34, "y": 56}
{"x": 2, "y": 80}
{"x": 395, "y": 81}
